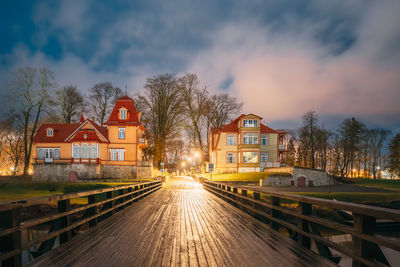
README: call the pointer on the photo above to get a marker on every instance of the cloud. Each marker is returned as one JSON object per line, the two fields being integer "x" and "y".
{"x": 282, "y": 75}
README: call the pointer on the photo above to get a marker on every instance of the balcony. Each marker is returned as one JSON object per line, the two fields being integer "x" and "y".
{"x": 282, "y": 147}
{"x": 142, "y": 142}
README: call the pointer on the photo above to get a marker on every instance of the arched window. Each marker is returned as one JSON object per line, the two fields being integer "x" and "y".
{"x": 85, "y": 151}
{"x": 76, "y": 152}
{"x": 93, "y": 151}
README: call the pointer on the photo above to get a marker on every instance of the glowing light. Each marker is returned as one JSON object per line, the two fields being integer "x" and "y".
{"x": 196, "y": 154}
{"x": 354, "y": 170}
{"x": 378, "y": 168}
{"x": 189, "y": 159}
{"x": 183, "y": 164}
{"x": 12, "y": 169}
{"x": 30, "y": 171}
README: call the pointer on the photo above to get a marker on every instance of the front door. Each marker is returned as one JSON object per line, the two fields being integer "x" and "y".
{"x": 48, "y": 155}
{"x": 301, "y": 181}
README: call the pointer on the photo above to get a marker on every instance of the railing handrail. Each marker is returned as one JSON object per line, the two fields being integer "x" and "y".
{"x": 378, "y": 212}
{"x": 302, "y": 224}
{"x": 45, "y": 199}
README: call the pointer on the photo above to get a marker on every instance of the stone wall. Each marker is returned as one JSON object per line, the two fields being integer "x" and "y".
{"x": 311, "y": 177}
{"x": 118, "y": 171}
{"x": 61, "y": 172}
{"x": 144, "y": 172}
{"x": 276, "y": 181}
{"x": 64, "y": 172}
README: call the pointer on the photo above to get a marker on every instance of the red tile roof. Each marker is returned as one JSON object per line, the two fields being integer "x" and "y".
{"x": 131, "y": 116}
{"x": 266, "y": 129}
{"x": 60, "y": 132}
{"x": 90, "y": 136}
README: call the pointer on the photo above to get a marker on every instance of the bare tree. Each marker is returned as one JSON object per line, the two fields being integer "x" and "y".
{"x": 32, "y": 100}
{"x": 350, "y": 132}
{"x": 15, "y": 145}
{"x": 222, "y": 108}
{"x": 196, "y": 104}
{"x": 394, "y": 155}
{"x": 102, "y": 98}
{"x": 378, "y": 138}
{"x": 71, "y": 103}
{"x": 161, "y": 103}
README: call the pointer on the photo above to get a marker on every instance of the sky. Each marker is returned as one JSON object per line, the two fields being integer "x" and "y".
{"x": 280, "y": 58}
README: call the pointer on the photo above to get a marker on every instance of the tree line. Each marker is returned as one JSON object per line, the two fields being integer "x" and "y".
{"x": 177, "y": 113}
{"x": 352, "y": 150}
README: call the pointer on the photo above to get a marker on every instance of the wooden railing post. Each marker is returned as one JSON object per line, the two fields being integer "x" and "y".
{"x": 275, "y": 213}
{"x": 94, "y": 210}
{"x": 244, "y": 192}
{"x": 8, "y": 219}
{"x": 235, "y": 190}
{"x": 304, "y": 209}
{"x": 110, "y": 204}
{"x": 362, "y": 248}
{"x": 64, "y": 205}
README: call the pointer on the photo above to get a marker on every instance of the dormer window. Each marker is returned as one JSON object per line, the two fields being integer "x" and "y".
{"x": 122, "y": 114}
{"x": 250, "y": 123}
{"x": 50, "y": 132}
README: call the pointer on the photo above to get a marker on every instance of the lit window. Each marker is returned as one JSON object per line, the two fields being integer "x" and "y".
{"x": 264, "y": 140}
{"x": 230, "y": 140}
{"x": 117, "y": 154}
{"x": 250, "y": 157}
{"x": 264, "y": 157}
{"x": 76, "y": 152}
{"x": 85, "y": 151}
{"x": 41, "y": 153}
{"x": 121, "y": 133}
{"x": 122, "y": 114}
{"x": 49, "y": 132}
{"x": 93, "y": 151}
{"x": 250, "y": 138}
{"x": 250, "y": 123}
{"x": 230, "y": 158}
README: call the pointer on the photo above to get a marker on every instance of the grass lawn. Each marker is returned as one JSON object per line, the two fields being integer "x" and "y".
{"x": 381, "y": 183}
{"x": 242, "y": 176}
{"x": 18, "y": 191}
{"x": 356, "y": 197}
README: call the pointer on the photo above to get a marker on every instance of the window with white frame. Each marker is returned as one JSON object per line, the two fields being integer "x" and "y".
{"x": 121, "y": 133}
{"x": 117, "y": 154}
{"x": 85, "y": 151}
{"x": 76, "y": 152}
{"x": 122, "y": 114}
{"x": 50, "y": 132}
{"x": 93, "y": 151}
{"x": 250, "y": 138}
{"x": 231, "y": 140}
{"x": 264, "y": 140}
{"x": 48, "y": 153}
{"x": 264, "y": 157}
{"x": 250, "y": 123}
{"x": 250, "y": 157}
{"x": 230, "y": 157}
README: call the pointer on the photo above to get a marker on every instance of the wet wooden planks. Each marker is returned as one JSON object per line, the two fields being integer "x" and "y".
{"x": 175, "y": 227}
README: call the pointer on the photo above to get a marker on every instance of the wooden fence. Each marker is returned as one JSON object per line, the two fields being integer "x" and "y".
{"x": 303, "y": 218}
{"x": 65, "y": 222}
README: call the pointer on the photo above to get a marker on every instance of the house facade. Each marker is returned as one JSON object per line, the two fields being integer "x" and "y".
{"x": 89, "y": 150}
{"x": 246, "y": 145}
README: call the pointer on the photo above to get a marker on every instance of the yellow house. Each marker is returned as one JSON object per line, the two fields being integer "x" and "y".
{"x": 89, "y": 150}
{"x": 246, "y": 145}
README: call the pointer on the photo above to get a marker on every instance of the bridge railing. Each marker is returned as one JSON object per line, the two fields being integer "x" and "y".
{"x": 307, "y": 219}
{"x": 64, "y": 222}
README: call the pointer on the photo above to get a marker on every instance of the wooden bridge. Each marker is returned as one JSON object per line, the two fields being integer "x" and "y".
{"x": 183, "y": 224}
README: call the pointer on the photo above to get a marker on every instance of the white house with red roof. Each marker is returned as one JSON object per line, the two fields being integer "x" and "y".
{"x": 89, "y": 150}
{"x": 246, "y": 145}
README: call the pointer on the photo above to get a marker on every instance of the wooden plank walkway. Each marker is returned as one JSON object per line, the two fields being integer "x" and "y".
{"x": 180, "y": 227}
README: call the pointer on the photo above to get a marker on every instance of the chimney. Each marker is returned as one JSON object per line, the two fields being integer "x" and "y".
{"x": 82, "y": 119}
{"x": 139, "y": 114}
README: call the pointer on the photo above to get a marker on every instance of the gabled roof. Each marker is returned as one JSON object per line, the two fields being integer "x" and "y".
{"x": 60, "y": 132}
{"x": 131, "y": 116}
{"x": 266, "y": 129}
{"x": 90, "y": 136}
{"x": 100, "y": 130}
